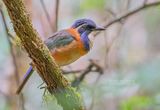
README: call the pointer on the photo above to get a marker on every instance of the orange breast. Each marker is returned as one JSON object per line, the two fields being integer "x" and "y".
{"x": 71, "y": 52}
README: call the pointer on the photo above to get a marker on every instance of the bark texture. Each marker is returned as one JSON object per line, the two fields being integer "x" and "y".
{"x": 48, "y": 70}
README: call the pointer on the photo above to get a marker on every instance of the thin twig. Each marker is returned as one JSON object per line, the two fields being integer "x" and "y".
{"x": 92, "y": 67}
{"x": 106, "y": 49}
{"x": 113, "y": 14}
{"x": 132, "y": 12}
{"x": 11, "y": 47}
{"x": 93, "y": 92}
{"x": 47, "y": 14}
{"x": 128, "y": 4}
{"x": 71, "y": 72}
{"x": 144, "y": 2}
{"x": 78, "y": 80}
{"x": 16, "y": 75}
{"x": 56, "y": 14}
{"x": 55, "y": 26}
{"x": 145, "y": 6}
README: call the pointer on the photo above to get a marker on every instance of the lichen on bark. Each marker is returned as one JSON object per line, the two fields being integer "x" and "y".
{"x": 48, "y": 70}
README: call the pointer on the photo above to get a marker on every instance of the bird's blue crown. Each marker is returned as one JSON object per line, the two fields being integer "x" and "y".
{"x": 85, "y": 27}
{"x": 80, "y": 22}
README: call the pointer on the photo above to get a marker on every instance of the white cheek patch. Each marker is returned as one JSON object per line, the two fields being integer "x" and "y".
{"x": 91, "y": 40}
{"x": 91, "y": 37}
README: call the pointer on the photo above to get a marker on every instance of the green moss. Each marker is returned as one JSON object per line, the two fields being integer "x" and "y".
{"x": 56, "y": 83}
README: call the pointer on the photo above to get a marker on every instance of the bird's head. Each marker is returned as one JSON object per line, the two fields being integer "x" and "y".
{"x": 86, "y": 25}
{"x": 84, "y": 28}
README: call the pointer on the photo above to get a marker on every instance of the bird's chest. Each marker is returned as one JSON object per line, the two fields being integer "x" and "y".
{"x": 69, "y": 53}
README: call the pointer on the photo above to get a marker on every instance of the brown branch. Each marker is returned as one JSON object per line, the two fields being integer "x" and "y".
{"x": 47, "y": 15}
{"x": 56, "y": 14}
{"x": 92, "y": 67}
{"x": 111, "y": 12}
{"x": 48, "y": 70}
{"x": 128, "y": 4}
{"x": 11, "y": 47}
{"x": 71, "y": 72}
{"x": 55, "y": 26}
{"x": 16, "y": 74}
{"x": 144, "y": 2}
{"x": 130, "y": 13}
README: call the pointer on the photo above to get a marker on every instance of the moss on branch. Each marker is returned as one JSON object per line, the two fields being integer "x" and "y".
{"x": 48, "y": 70}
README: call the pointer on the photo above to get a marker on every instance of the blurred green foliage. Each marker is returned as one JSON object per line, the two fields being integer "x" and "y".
{"x": 149, "y": 74}
{"x": 136, "y": 103}
{"x": 153, "y": 18}
{"x": 92, "y": 4}
{"x": 49, "y": 100}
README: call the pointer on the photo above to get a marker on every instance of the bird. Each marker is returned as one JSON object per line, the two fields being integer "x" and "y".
{"x": 67, "y": 45}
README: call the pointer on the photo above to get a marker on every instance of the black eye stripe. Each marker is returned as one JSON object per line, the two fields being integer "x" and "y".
{"x": 87, "y": 26}
{"x": 91, "y": 27}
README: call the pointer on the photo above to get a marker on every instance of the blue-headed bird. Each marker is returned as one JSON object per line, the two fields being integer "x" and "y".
{"x": 68, "y": 45}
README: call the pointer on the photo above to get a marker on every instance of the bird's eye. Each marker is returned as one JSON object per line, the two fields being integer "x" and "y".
{"x": 84, "y": 27}
{"x": 91, "y": 27}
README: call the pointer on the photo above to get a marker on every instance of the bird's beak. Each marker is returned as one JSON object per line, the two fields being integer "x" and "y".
{"x": 99, "y": 29}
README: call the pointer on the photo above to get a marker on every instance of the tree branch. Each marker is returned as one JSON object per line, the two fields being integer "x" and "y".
{"x": 48, "y": 70}
{"x": 56, "y": 14}
{"x": 55, "y": 26}
{"x": 92, "y": 67}
{"x": 130, "y": 13}
{"x": 11, "y": 47}
{"x": 47, "y": 15}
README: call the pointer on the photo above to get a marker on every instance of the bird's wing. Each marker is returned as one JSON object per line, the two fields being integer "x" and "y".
{"x": 59, "y": 39}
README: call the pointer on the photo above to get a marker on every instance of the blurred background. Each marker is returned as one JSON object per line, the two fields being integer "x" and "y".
{"x": 125, "y": 58}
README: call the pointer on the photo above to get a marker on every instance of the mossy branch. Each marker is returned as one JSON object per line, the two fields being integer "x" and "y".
{"x": 48, "y": 70}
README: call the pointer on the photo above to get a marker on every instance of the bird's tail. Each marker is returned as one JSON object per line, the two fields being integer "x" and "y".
{"x": 25, "y": 79}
